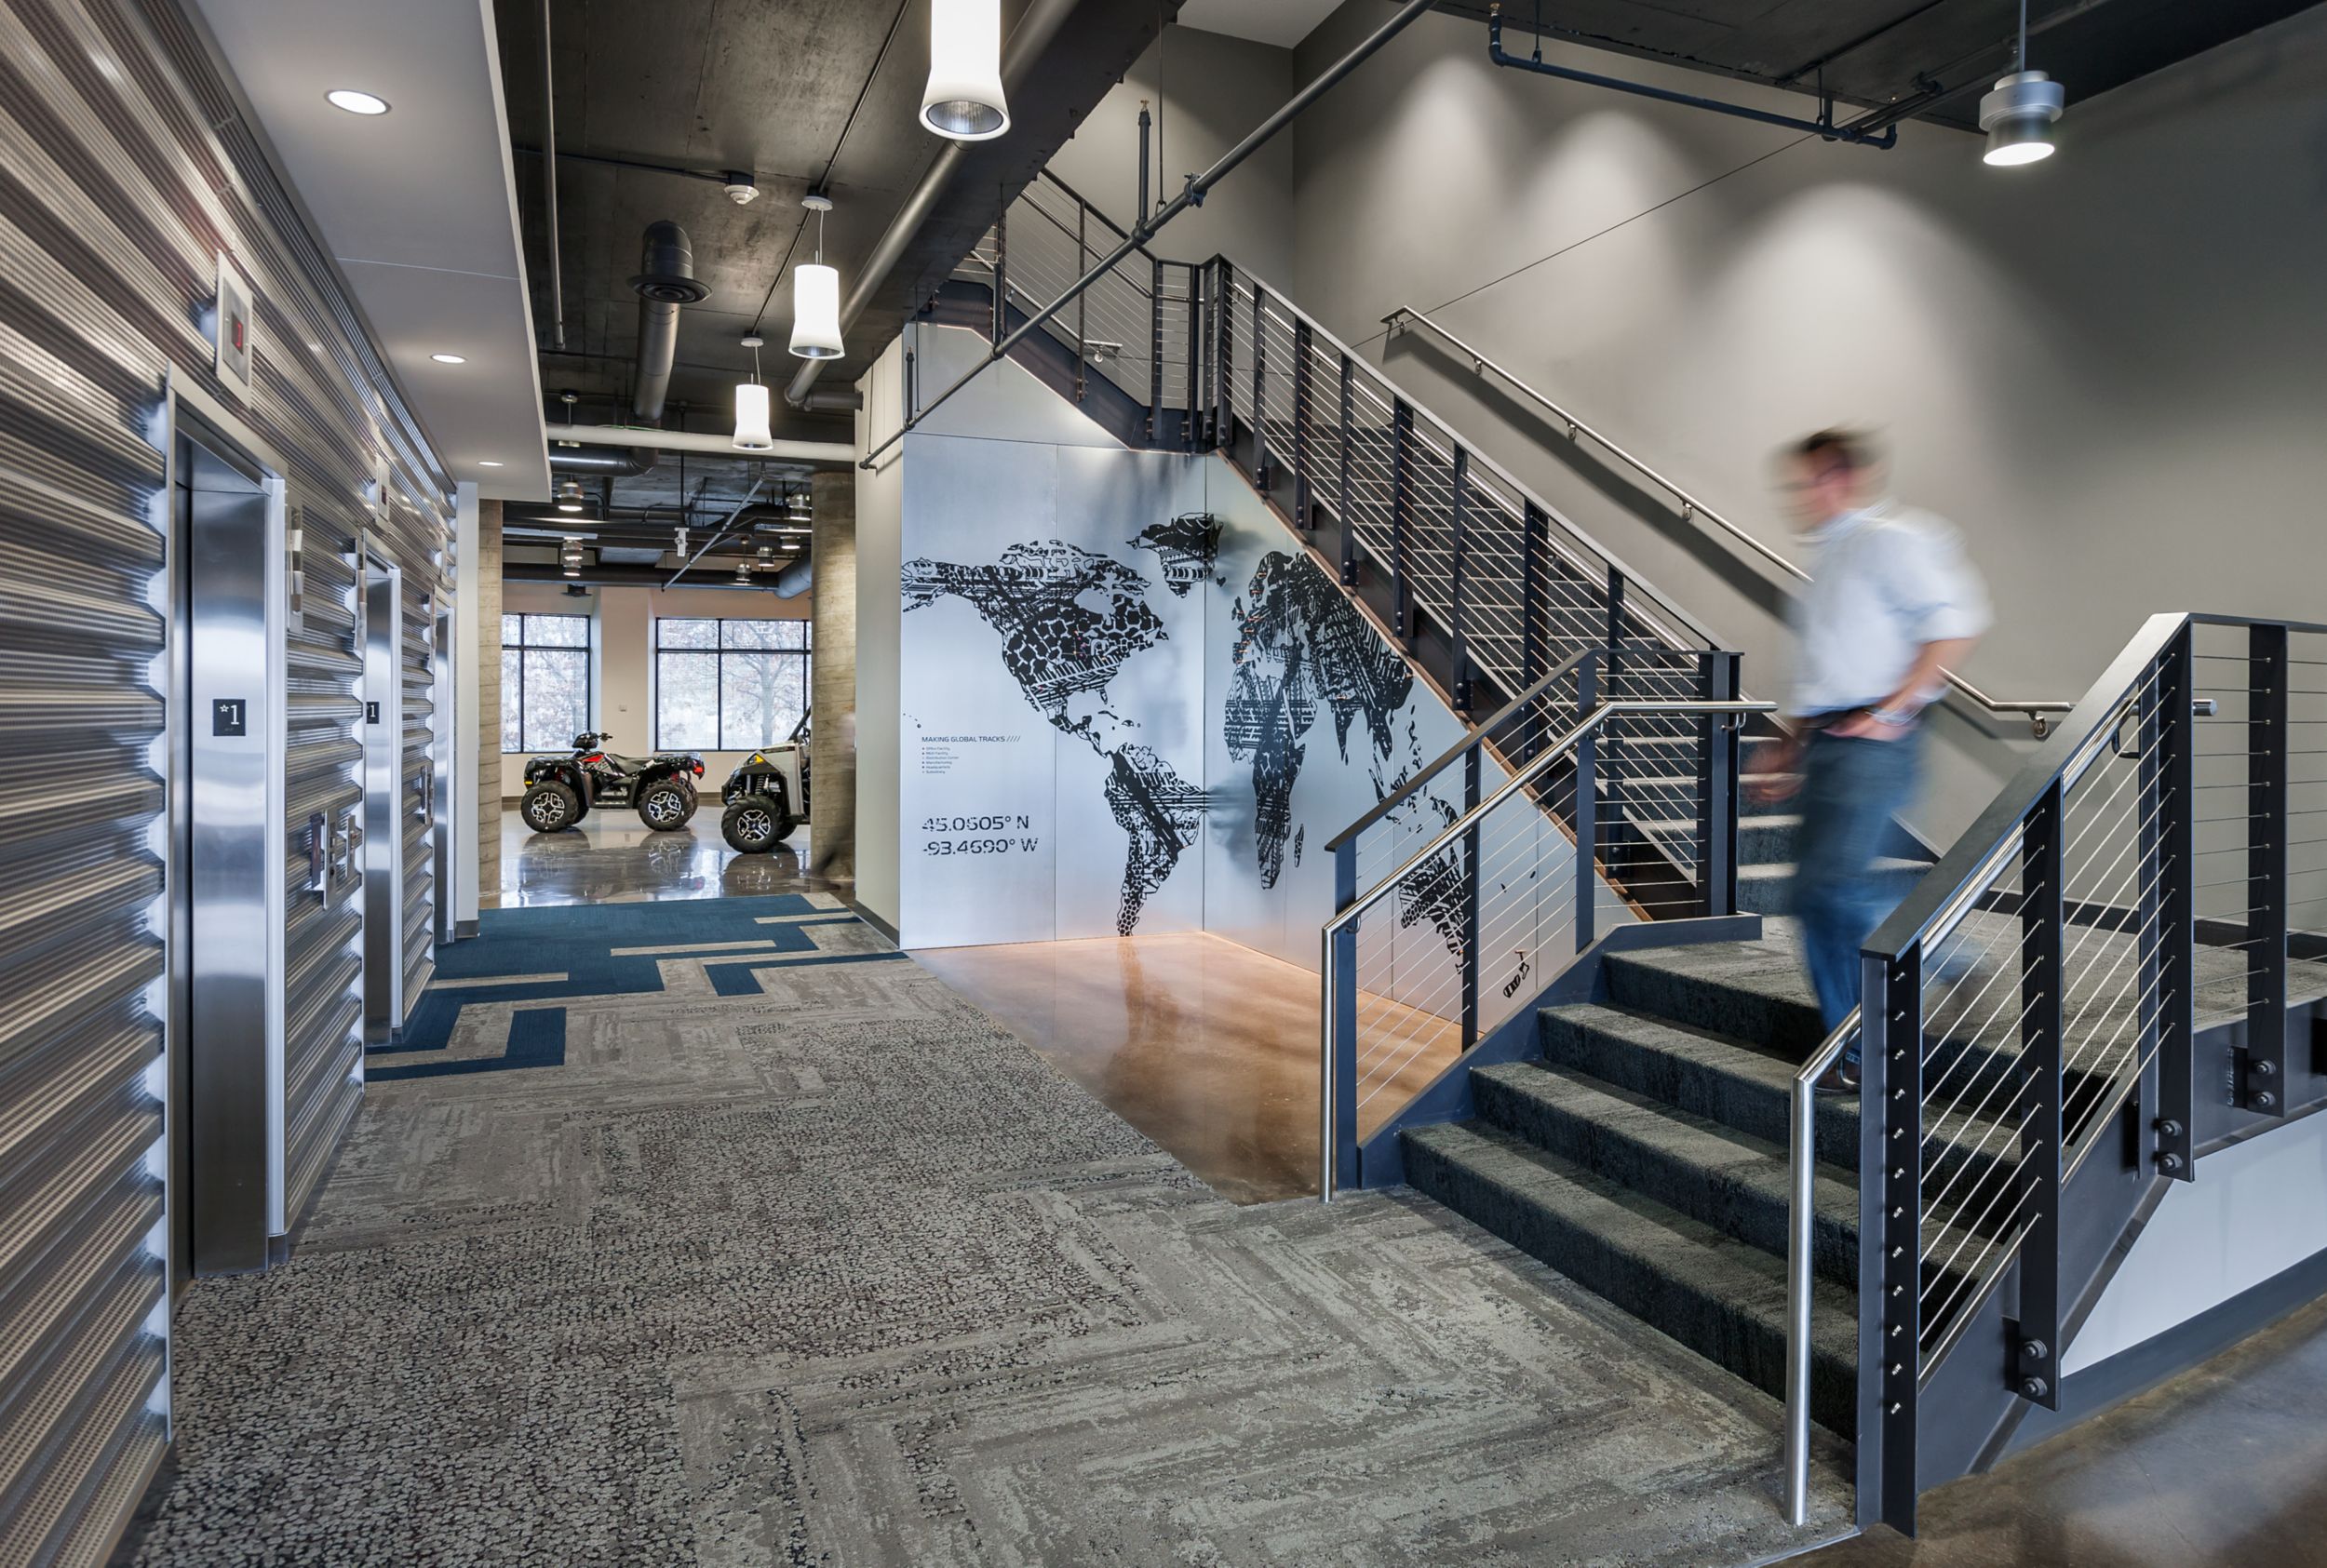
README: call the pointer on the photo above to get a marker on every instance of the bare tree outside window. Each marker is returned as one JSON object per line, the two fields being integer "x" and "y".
{"x": 545, "y": 681}
{"x": 724, "y": 685}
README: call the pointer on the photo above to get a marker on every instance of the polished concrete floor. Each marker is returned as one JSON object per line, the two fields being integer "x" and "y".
{"x": 1207, "y": 1047}
{"x": 2225, "y": 1467}
{"x": 613, "y": 857}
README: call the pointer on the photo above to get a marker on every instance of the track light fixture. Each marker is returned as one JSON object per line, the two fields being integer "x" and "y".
{"x": 963, "y": 98}
{"x": 2019, "y": 115}
{"x": 817, "y": 296}
{"x": 752, "y": 403}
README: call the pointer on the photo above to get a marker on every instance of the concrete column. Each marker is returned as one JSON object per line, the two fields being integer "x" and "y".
{"x": 485, "y": 673}
{"x": 832, "y": 696}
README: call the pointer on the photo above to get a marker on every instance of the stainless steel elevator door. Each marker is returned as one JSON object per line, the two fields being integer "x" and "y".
{"x": 222, "y": 513}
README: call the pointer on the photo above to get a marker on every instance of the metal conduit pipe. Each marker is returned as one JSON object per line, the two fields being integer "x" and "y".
{"x": 1033, "y": 35}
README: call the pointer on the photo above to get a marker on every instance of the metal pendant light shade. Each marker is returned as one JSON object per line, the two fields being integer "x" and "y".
{"x": 963, "y": 99}
{"x": 2018, "y": 117}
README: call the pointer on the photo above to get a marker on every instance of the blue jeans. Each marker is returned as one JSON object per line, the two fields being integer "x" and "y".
{"x": 1850, "y": 790}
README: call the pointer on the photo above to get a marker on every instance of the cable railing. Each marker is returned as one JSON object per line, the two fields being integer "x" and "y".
{"x": 2037, "y": 712}
{"x": 1470, "y": 887}
{"x": 2033, "y": 1012}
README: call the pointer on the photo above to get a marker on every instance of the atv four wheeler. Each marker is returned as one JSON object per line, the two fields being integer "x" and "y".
{"x": 561, "y": 790}
{"x": 766, "y": 799}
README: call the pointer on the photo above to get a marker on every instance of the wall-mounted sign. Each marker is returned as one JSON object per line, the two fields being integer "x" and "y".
{"x": 234, "y": 330}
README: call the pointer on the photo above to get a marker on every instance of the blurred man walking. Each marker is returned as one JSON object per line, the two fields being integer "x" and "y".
{"x": 1891, "y": 604}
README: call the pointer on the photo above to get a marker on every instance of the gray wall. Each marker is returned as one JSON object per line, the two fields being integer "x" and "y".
{"x": 1212, "y": 90}
{"x": 2105, "y": 367}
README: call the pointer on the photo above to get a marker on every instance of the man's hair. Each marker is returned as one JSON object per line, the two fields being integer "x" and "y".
{"x": 1848, "y": 449}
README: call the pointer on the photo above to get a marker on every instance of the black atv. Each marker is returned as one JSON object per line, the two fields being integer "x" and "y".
{"x": 764, "y": 797}
{"x": 561, "y": 790}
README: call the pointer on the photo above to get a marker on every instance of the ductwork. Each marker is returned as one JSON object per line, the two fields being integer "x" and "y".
{"x": 1027, "y": 40}
{"x": 606, "y": 462}
{"x": 794, "y": 580}
{"x": 608, "y": 575}
{"x": 665, "y": 281}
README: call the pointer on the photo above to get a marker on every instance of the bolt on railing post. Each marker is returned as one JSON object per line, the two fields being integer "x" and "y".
{"x": 2169, "y": 864}
{"x": 1890, "y": 1182}
{"x": 1259, "y": 388}
{"x": 1343, "y": 482}
{"x": 1155, "y": 349}
{"x": 1460, "y": 648}
{"x": 1401, "y": 462}
{"x": 1001, "y": 276}
{"x": 2034, "y": 1342}
{"x": 1716, "y": 800}
{"x": 2262, "y": 1077}
{"x": 1301, "y": 520}
{"x": 1338, "y": 1097}
{"x": 1587, "y": 810}
{"x": 1471, "y": 867}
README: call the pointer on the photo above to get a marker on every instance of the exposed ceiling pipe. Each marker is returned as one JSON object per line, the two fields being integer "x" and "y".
{"x": 550, "y": 185}
{"x": 828, "y": 453}
{"x": 613, "y": 464}
{"x": 1034, "y": 32}
{"x": 718, "y": 532}
{"x": 795, "y": 580}
{"x": 665, "y": 281}
{"x": 608, "y": 574}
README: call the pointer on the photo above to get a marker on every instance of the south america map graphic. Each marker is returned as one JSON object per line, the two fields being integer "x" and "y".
{"x": 1068, "y": 620}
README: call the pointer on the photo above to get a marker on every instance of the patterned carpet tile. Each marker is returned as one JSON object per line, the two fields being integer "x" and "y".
{"x": 835, "y": 1271}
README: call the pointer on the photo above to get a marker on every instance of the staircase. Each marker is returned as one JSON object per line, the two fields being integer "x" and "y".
{"x": 2099, "y": 986}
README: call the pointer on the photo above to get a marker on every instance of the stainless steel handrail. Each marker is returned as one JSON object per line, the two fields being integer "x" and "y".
{"x": 1455, "y": 830}
{"x": 1692, "y": 508}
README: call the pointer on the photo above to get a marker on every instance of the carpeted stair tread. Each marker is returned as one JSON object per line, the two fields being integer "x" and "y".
{"x": 1742, "y": 1087}
{"x": 1719, "y": 1296}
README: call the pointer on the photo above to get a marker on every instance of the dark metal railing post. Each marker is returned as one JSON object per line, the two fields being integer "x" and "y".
{"x": 1342, "y": 1071}
{"x": 1259, "y": 388}
{"x": 1534, "y": 531}
{"x": 1891, "y": 1182}
{"x": 2262, "y": 1064}
{"x": 1457, "y": 516}
{"x": 2034, "y": 1341}
{"x": 1155, "y": 349}
{"x": 1223, "y": 356}
{"x": 1344, "y": 496}
{"x": 1472, "y": 869}
{"x": 1082, "y": 265}
{"x": 1001, "y": 276}
{"x": 2174, "y": 870}
{"x": 1613, "y": 752}
{"x": 1195, "y": 355}
{"x": 1401, "y": 487}
{"x": 1587, "y": 810}
{"x": 1717, "y": 798}
{"x": 1301, "y": 518}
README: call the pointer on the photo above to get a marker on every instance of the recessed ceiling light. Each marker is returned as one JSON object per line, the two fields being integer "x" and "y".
{"x": 356, "y": 103}
{"x": 450, "y": 358}
{"x": 489, "y": 462}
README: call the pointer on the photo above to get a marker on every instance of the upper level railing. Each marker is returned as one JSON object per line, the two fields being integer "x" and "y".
{"x": 2036, "y": 711}
{"x": 2035, "y": 1004}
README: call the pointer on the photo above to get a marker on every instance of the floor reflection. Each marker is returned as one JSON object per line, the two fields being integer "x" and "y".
{"x": 612, "y": 858}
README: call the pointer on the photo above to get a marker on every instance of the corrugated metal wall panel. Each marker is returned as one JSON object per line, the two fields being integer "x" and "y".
{"x": 124, "y": 173}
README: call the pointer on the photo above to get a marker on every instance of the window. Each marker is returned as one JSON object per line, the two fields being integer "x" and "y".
{"x": 545, "y": 681}
{"x": 729, "y": 685}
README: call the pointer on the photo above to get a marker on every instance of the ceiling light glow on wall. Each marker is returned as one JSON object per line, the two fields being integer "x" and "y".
{"x": 489, "y": 463}
{"x": 752, "y": 406}
{"x": 356, "y": 103}
{"x": 816, "y": 296}
{"x": 450, "y": 358}
{"x": 963, "y": 98}
{"x": 2019, "y": 115}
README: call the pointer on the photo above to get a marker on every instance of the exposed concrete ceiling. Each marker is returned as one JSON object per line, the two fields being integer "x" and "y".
{"x": 1281, "y": 22}
{"x": 802, "y": 94}
{"x": 1922, "y": 59}
{"x": 417, "y": 205}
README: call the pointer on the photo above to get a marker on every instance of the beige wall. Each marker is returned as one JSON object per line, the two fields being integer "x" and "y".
{"x": 622, "y": 659}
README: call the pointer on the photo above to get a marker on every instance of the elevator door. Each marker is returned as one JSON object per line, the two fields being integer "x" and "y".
{"x": 218, "y": 1147}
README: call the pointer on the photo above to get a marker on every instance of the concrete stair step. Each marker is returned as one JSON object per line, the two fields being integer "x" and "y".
{"x": 1719, "y": 1296}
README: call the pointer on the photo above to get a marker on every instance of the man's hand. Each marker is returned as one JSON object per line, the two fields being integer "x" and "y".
{"x": 1784, "y": 776}
{"x": 1866, "y": 727}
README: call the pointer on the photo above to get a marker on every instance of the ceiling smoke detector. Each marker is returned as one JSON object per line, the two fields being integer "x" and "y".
{"x": 742, "y": 189}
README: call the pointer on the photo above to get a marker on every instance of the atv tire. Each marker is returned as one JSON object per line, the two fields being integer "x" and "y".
{"x": 755, "y": 825}
{"x": 665, "y": 805}
{"x": 550, "y": 808}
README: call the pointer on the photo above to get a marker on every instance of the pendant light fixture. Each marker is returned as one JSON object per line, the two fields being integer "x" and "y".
{"x": 963, "y": 99}
{"x": 752, "y": 434}
{"x": 2018, "y": 117}
{"x": 569, "y": 497}
{"x": 817, "y": 296}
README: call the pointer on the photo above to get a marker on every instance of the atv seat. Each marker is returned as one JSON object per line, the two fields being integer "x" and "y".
{"x": 627, "y": 764}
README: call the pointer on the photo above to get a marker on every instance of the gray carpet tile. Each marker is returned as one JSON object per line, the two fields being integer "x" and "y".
{"x": 840, "y": 1273}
